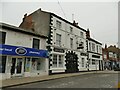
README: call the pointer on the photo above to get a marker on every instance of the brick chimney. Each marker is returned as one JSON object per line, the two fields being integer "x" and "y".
{"x": 115, "y": 46}
{"x": 88, "y": 33}
{"x": 105, "y": 46}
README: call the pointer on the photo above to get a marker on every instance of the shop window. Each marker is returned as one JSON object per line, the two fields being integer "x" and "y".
{"x": 38, "y": 65}
{"x": 2, "y": 37}
{"x": 27, "y": 65}
{"x": 36, "y": 43}
{"x": 54, "y": 60}
{"x": 60, "y": 61}
{"x": 34, "y": 64}
{"x": 2, "y": 64}
{"x": 93, "y": 61}
{"x": 57, "y": 60}
{"x": 83, "y": 62}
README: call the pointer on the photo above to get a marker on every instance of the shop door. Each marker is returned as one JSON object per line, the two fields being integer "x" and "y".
{"x": 17, "y": 66}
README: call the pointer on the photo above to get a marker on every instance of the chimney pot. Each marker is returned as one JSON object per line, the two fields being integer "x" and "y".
{"x": 25, "y": 16}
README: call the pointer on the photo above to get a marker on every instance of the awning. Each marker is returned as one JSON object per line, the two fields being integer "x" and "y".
{"x": 22, "y": 51}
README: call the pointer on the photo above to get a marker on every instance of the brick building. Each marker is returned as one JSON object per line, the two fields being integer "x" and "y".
{"x": 111, "y": 57}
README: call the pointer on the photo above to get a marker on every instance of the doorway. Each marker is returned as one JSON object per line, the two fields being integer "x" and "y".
{"x": 17, "y": 66}
{"x": 71, "y": 62}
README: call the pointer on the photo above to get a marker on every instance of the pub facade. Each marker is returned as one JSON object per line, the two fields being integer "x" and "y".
{"x": 66, "y": 42}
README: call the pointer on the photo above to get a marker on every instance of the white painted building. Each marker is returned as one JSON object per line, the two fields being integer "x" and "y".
{"x": 66, "y": 41}
{"x": 22, "y": 53}
{"x": 95, "y": 60}
{"x": 66, "y": 37}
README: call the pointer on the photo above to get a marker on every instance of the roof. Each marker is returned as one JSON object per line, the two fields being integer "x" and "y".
{"x": 94, "y": 41}
{"x": 113, "y": 49}
{"x": 59, "y": 18}
{"x": 17, "y": 29}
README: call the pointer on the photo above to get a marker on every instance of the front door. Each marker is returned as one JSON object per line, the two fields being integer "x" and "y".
{"x": 17, "y": 66}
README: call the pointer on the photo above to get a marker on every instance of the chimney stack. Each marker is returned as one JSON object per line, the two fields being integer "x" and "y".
{"x": 25, "y": 16}
{"x": 115, "y": 46}
{"x": 74, "y": 23}
{"x": 105, "y": 46}
{"x": 88, "y": 33}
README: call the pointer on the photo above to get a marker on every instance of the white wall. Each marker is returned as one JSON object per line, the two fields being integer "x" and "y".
{"x": 96, "y": 44}
{"x": 21, "y": 39}
{"x": 66, "y": 35}
{"x": 65, "y": 41}
{"x": 24, "y": 40}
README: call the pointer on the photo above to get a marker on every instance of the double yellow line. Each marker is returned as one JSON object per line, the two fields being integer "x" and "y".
{"x": 118, "y": 86}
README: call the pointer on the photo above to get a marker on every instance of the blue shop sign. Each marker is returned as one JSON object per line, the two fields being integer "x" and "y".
{"x": 22, "y": 51}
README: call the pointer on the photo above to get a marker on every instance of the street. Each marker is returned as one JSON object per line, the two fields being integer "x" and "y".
{"x": 82, "y": 81}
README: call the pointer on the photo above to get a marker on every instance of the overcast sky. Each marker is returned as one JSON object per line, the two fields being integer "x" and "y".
{"x": 100, "y": 17}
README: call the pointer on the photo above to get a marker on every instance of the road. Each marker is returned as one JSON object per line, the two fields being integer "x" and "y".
{"x": 81, "y": 81}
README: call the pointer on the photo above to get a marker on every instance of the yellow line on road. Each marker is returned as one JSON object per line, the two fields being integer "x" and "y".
{"x": 118, "y": 86}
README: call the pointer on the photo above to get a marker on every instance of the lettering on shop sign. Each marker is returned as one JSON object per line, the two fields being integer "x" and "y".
{"x": 34, "y": 52}
{"x": 83, "y": 54}
{"x": 5, "y": 49}
{"x": 95, "y": 56}
{"x": 59, "y": 50}
{"x": 21, "y": 51}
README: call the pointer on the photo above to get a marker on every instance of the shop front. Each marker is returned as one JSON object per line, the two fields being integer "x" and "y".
{"x": 16, "y": 61}
{"x": 17, "y": 66}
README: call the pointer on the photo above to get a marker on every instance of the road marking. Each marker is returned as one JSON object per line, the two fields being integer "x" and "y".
{"x": 118, "y": 86}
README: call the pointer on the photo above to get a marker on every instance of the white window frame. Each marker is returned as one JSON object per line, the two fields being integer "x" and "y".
{"x": 58, "y": 24}
{"x": 58, "y": 65}
{"x": 83, "y": 62}
{"x": 110, "y": 54}
{"x": 58, "y": 39}
{"x": 93, "y": 47}
{"x": 54, "y": 65}
{"x": 71, "y": 43}
{"x": 100, "y": 49}
{"x": 89, "y": 46}
{"x": 81, "y": 34}
{"x": 97, "y": 48}
{"x": 93, "y": 63}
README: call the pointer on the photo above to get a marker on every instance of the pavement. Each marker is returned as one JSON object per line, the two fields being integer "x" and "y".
{"x": 27, "y": 80}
